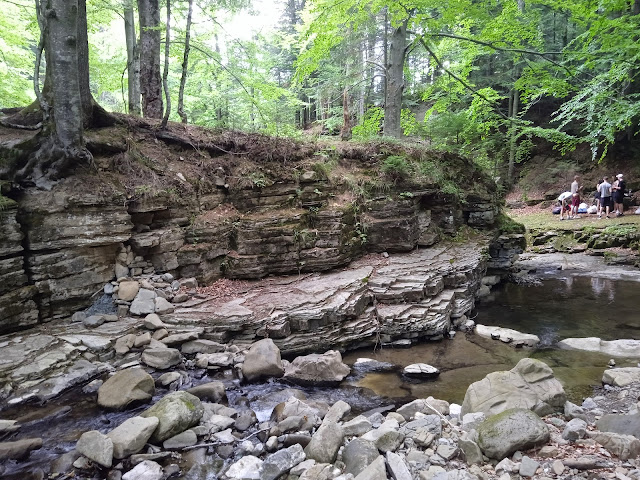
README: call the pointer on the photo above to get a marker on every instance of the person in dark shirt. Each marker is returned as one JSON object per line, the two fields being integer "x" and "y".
{"x": 617, "y": 192}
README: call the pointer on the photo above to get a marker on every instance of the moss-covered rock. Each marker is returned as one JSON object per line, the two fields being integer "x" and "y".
{"x": 176, "y": 412}
{"x": 516, "y": 429}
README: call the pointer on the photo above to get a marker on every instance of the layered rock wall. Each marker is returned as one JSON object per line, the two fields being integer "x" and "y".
{"x": 60, "y": 247}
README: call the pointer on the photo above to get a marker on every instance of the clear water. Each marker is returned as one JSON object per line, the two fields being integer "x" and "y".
{"x": 559, "y": 307}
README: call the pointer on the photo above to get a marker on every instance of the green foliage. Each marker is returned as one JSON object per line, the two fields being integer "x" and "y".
{"x": 371, "y": 124}
{"x": 508, "y": 225}
{"x": 396, "y": 166}
{"x": 19, "y": 38}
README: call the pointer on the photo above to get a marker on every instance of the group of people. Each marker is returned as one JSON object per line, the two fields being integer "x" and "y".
{"x": 609, "y": 198}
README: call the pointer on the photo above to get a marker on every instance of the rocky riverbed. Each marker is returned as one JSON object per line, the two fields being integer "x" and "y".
{"x": 512, "y": 424}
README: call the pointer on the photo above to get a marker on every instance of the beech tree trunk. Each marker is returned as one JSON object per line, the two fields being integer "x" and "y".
{"x": 185, "y": 65}
{"x": 395, "y": 81}
{"x": 150, "y": 80}
{"x": 165, "y": 75}
{"x": 133, "y": 60}
{"x": 63, "y": 44}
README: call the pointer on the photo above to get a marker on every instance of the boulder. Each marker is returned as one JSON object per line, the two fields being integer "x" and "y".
{"x": 428, "y": 406}
{"x": 516, "y": 429}
{"x": 621, "y": 377}
{"x": 262, "y": 360}
{"x": 19, "y": 449}
{"x": 357, "y": 454}
{"x": 385, "y": 439}
{"x": 623, "y": 446}
{"x": 126, "y": 387}
{"x": 211, "y": 391}
{"x": 146, "y": 470}
{"x": 530, "y": 384}
{"x": 317, "y": 369}
{"x": 176, "y": 412}
{"x": 325, "y": 443}
{"x": 188, "y": 438}
{"x": 161, "y": 358}
{"x": 376, "y": 470}
{"x": 299, "y": 408}
{"x": 507, "y": 335}
{"x": 131, "y": 435}
{"x": 247, "y": 468}
{"x": 153, "y": 322}
{"x": 421, "y": 370}
{"x": 162, "y": 306}
{"x": 281, "y": 462}
{"x": 144, "y": 302}
{"x": 575, "y": 430}
{"x": 616, "y": 348}
{"x": 622, "y": 424}
{"x": 128, "y": 289}
{"x": 96, "y": 447}
{"x": 398, "y": 467}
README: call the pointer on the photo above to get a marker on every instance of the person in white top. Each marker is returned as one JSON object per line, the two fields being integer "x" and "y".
{"x": 576, "y": 188}
{"x": 565, "y": 204}
{"x": 605, "y": 197}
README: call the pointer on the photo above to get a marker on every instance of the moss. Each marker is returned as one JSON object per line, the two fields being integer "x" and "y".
{"x": 507, "y": 225}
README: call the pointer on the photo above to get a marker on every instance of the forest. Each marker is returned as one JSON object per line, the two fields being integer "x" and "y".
{"x": 492, "y": 80}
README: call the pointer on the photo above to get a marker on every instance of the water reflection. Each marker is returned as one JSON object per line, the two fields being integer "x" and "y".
{"x": 558, "y": 308}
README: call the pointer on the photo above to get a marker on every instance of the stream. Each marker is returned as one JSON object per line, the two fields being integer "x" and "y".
{"x": 560, "y": 306}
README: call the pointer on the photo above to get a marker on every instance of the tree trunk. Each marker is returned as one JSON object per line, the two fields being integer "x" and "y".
{"x": 345, "y": 131}
{"x": 513, "y": 133}
{"x": 185, "y": 65}
{"x": 150, "y": 81}
{"x": 133, "y": 60}
{"x": 165, "y": 74}
{"x": 395, "y": 81}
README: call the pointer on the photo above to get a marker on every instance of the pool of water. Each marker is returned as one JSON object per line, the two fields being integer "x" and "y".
{"x": 560, "y": 306}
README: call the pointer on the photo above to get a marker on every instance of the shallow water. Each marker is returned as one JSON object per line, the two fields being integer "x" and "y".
{"x": 567, "y": 306}
{"x": 559, "y": 307}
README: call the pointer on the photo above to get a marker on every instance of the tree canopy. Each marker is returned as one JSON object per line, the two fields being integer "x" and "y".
{"x": 488, "y": 79}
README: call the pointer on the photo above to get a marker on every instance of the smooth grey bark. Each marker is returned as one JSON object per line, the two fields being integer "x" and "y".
{"x": 150, "y": 80}
{"x": 185, "y": 65}
{"x": 514, "y": 107}
{"x": 133, "y": 60}
{"x": 395, "y": 81}
{"x": 62, "y": 44}
{"x": 165, "y": 74}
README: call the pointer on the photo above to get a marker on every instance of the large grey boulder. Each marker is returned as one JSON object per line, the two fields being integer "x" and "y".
{"x": 574, "y": 430}
{"x": 398, "y": 467}
{"x": 247, "y": 468}
{"x": 161, "y": 358}
{"x": 281, "y": 462}
{"x": 375, "y": 471}
{"x": 144, "y": 302}
{"x": 146, "y": 470}
{"x": 317, "y": 369}
{"x": 385, "y": 439}
{"x": 623, "y": 424}
{"x": 516, "y": 429}
{"x": 211, "y": 391}
{"x": 96, "y": 447}
{"x": 262, "y": 360}
{"x": 128, "y": 289}
{"x": 176, "y": 412}
{"x": 622, "y": 446}
{"x": 530, "y": 384}
{"x": 131, "y": 435}
{"x": 358, "y": 454}
{"x": 126, "y": 387}
{"x": 325, "y": 443}
{"x": 427, "y": 406}
{"x": 621, "y": 377}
